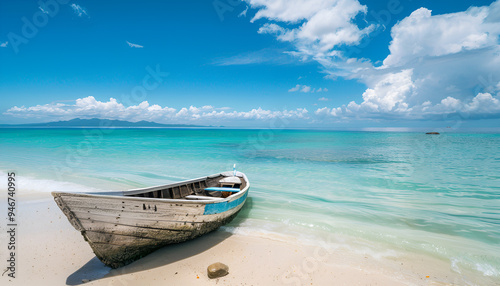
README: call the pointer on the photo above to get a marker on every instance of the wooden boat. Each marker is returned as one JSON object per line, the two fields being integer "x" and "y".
{"x": 122, "y": 227}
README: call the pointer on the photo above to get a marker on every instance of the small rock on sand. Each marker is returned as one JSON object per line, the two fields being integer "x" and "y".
{"x": 217, "y": 270}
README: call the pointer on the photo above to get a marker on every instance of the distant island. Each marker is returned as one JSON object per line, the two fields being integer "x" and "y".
{"x": 96, "y": 122}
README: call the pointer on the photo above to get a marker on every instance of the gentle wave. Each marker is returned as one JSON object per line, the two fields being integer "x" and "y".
{"x": 32, "y": 185}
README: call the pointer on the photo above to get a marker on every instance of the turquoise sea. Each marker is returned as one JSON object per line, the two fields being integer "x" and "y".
{"x": 437, "y": 195}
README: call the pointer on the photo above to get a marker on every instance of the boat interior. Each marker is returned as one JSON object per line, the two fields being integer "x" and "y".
{"x": 208, "y": 188}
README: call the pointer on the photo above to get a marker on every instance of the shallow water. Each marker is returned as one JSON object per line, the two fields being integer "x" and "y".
{"x": 403, "y": 192}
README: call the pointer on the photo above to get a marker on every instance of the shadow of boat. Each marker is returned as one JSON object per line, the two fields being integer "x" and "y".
{"x": 94, "y": 269}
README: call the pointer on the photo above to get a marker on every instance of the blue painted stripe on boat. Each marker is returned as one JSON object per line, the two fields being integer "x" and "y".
{"x": 218, "y": 208}
{"x": 223, "y": 189}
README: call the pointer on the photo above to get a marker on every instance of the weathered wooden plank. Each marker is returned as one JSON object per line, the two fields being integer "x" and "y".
{"x": 118, "y": 255}
{"x": 131, "y": 205}
{"x": 114, "y": 212}
{"x": 112, "y": 228}
{"x": 136, "y": 238}
{"x": 165, "y": 194}
{"x": 69, "y": 214}
{"x": 183, "y": 191}
{"x": 176, "y": 192}
{"x": 170, "y": 225}
{"x": 106, "y": 215}
{"x": 198, "y": 197}
{"x": 145, "y": 210}
{"x": 189, "y": 223}
{"x": 117, "y": 239}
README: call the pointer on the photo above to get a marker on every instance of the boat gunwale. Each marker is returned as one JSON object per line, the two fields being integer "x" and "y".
{"x": 122, "y": 195}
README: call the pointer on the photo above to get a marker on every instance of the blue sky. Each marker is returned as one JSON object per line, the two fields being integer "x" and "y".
{"x": 316, "y": 63}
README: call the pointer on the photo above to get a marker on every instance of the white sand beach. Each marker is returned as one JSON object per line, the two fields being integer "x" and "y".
{"x": 51, "y": 252}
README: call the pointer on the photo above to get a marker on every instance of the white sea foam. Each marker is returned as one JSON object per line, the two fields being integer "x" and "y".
{"x": 327, "y": 241}
{"x": 487, "y": 269}
{"x": 483, "y": 267}
{"x": 27, "y": 185}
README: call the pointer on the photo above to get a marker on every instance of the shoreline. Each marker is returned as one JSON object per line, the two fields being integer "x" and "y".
{"x": 51, "y": 252}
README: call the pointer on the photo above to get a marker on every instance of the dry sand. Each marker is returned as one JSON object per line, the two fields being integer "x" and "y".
{"x": 51, "y": 252}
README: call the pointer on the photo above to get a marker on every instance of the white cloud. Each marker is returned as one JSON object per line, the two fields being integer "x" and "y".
{"x": 327, "y": 112}
{"x": 323, "y": 99}
{"x": 388, "y": 96}
{"x": 306, "y": 89}
{"x": 421, "y": 34}
{"x": 446, "y": 105}
{"x": 295, "y": 88}
{"x": 79, "y": 11}
{"x": 333, "y": 26}
{"x": 324, "y": 24}
{"x": 390, "y": 93}
{"x": 53, "y": 109}
{"x": 483, "y": 105}
{"x": 457, "y": 50}
{"x": 437, "y": 63}
{"x": 132, "y": 45}
{"x": 324, "y": 111}
{"x": 267, "y": 55}
{"x": 89, "y": 107}
{"x": 258, "y": 114}
{"x": 270, "y": 28}
{"x": 291, "y": 10}
{"x": 4, "y": 44}
{"x": 388, "y": 99}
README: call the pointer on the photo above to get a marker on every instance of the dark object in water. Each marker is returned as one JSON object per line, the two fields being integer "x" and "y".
{"x": 432, "y": 133}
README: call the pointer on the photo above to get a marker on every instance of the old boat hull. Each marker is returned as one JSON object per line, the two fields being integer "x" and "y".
{"x": 125, "y": 226}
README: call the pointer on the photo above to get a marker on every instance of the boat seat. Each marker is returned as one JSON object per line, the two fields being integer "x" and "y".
{"x": 229, "y": 185}
{"x": 196, "y": 197}
{"x": 230, "y": 181}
